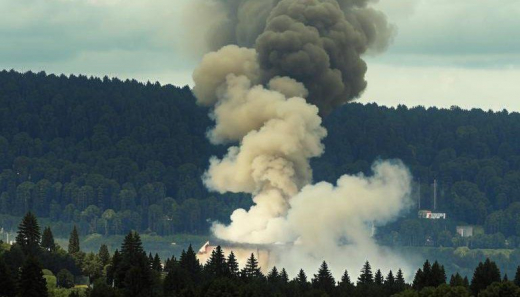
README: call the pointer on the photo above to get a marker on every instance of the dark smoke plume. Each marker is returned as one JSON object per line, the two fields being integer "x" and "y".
{"x": 317, "y": 42}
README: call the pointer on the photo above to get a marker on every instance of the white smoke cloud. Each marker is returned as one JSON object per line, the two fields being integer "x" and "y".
{"x": 278, "y": 131}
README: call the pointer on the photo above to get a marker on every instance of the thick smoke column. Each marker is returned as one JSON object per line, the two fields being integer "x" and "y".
{"x": 316, "y": 42}
{"x": 268, "y": 100}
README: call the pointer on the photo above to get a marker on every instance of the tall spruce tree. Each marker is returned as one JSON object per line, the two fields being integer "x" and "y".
{"x": 48, "y": 243}
{"x": 456, "y": 280}
{"x": 378, "y": 278}
{"x": 28, "y": 236}
{"x": 7, "y": 281}
{"x": 324, "y": 280}
{"x": 133, "y": 273}
{"x": 104, "y": 255}
{"x": 366, "y": 277}
{"x": 517, "y": 276}
{"x": 233, "y": 267}
{"x": 485, "y": 274}
{"x": 251, "y": 270}
{"x": 438, "y": 275}
{"x": 389, "y": 284}
{"x": 284, "y": 277}
{"x": 273, "y": 277}
{"x": 301, "y": 280}
{"x": 31, "y": 282}
{"x": 189, "y": 262}
{"x": 156, "y": 264}
{"x": 400, "y": 283}
{"x": 216, "y": 265}
{"x": 346, "y": 287}
{"x": 74, "y": 247}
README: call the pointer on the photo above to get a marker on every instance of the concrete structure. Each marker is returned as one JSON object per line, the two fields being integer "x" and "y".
{"x": 465, "y": 231}
{"x": 429, "y": 215}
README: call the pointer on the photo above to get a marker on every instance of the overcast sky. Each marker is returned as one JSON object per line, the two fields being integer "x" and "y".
{"x": 446, "y": 52}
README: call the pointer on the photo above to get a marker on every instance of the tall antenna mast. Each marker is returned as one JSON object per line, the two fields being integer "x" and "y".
{"x": 419, "y": 196}
{"x": 434, "y": 194}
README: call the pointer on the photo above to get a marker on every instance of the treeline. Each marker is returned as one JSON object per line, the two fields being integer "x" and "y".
{"x": 36, "y": 266}
{"x": 113, "y": 156}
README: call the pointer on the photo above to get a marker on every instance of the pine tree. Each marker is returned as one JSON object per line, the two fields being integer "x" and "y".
{"x": 418, "y": 280}
{"x": 301, "y": 280}
{"x": 251, "y": 270}
{"x": 104, "y": 255}
{"x": 400, "y": 283}
{"x": 438, "y": 275}
{"x": 517, "y": 276}
{"x": 233, "y": 265}
{"x": 216, "y": 265}
{"x": 466, "y": 282}
{"x": 48, "y": 243}
{"x": 112, "y": 270}
{"x": 366, "y": 276}
{"x": 273, "y": 276}
{"x": 284, "y": 277}
{"x": 7, "y": 282}
{"x": 346, "y": 287}
{"x": 456, "y": 280}
{"x": 74, "y": 247}
{"x": 324, "y": 280}
{"x": 190, "y": 263}
{"x": 29, "y": 234}
{"x": 506, "y": 279}
{"x": 485, "y": 274}
{"x": 389, "y": 285}
{"x": 31, "y": 282}
{"x": 156, "y": 265}
{"x": 378, "y": 279}
{"x": 133, "y": 273}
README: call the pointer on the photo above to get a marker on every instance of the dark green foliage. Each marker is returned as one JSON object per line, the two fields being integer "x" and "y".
{"x": 31, "y": 282}
{"x": 485, "y": 274}
{"x": 112, "y": 270}
{"x": 65, "y": 279}
{"x": 133, "y": 272}
{"x": 429, "y": 276}
{"x": 366, "y": 277}
{"x": 301, "y": 280}
{"x": 233, "y": 265}
{"x": 273, "y": 277}
{"x": 217, "y": 266}
{"x": 251, "y": 270}
{"x": 28, "y": 237}
{"x": 7, "y": 281}
{"x": 378, "y": 278}
{"x": 324, "y": 280}
{"x": 156, "y": 264}
{"x": 190, "y": 264}
{"x": 222, "y": 287}
{"x": 345, "y": 287}
{"x": 456, "y": 280}
{"x": 48, "y": 243}
{"x": 74, "y": 247}
{"x": 104, "y": 255}
{"x": 517, "y": 276}
{"x": 505, "y": 288}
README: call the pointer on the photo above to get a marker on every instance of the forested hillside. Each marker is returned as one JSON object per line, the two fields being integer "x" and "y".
{"x": 115, "y": 155}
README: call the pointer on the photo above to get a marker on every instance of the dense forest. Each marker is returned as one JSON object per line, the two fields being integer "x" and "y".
{"x": 36, "y": 266}
{"x": 113, "y": 156}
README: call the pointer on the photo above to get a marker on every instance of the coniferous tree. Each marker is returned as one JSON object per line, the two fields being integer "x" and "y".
{"x": 324, "y": 280}
{"x": 7, "y": 281}
{"x": 65, "y": 279}
{"x": 156, "y": 265}
{"x": 133, "y": 273}
{"x": 113, "y": 269}
{"x": 366, "y": 277}
{"x": 466, "y": 282}
{"x": 301, "y": 280}
{"x": 170, "y": 263}
{"x": 232, "y": 263}
{"x": 346, "y": 287}
{"x": 31, "y": 282}
{"x": 418, "y": 283}
{"x": 517, "y": 276}
{"x": 284, "y": 277}
{"x": 216, "y": 265}
{"x": 438, "y": 275}
{"x": 251, "y": 270}
{"x": 48, "y": 243}
{"x": 378, "y": 278}
{"x": 28, "y": 236}
{"x": 104, "y": 255}
{"x": 485, "y": 274}
{"x": 389, "y": 284}
{"x": 456, "y": 280}
{"x": 273, "y": 277}
{"x": 74, "y": 247}
{"x": 506, "y": 278}
{"x": 399, "y": 281}
{"x": 189, "y": 262}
